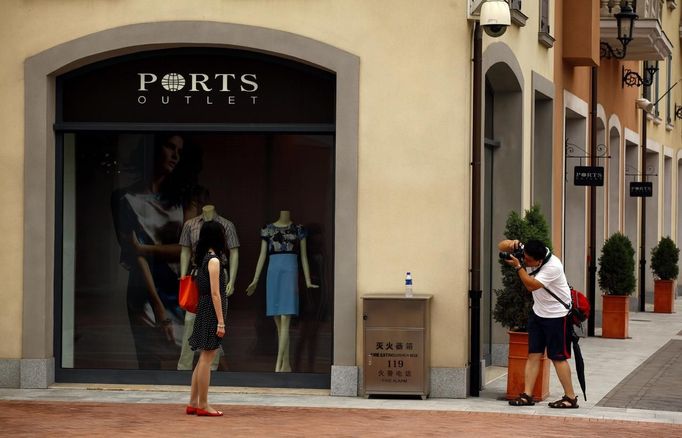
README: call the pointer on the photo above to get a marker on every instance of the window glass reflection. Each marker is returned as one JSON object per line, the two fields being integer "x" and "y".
{"x": 127, "y": 199}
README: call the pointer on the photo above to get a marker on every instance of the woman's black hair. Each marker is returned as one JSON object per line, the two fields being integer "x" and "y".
{"x": 211, "y": 236}
{"x": 535, "y": 249}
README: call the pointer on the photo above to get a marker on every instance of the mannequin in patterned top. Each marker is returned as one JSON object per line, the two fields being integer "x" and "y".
{"x": 282, "y": 241}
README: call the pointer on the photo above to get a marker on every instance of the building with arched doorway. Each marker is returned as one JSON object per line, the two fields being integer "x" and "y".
{"x": 355, "y": 117}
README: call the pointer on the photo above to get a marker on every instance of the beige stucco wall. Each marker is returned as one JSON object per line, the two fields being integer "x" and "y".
{"x": 413, "y": 145}
{"x": 532, "y": 57}
{"x": 658, "y": 132}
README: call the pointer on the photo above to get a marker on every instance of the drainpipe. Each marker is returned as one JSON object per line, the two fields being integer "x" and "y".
{"x": 592, "y": 266}
{"x": 642, "y": 227}
{"x": 475, "y": 282}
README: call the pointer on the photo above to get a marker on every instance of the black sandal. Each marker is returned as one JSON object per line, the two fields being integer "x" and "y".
{"x": 522, "y": 400}
{"x": 565, "y": 403}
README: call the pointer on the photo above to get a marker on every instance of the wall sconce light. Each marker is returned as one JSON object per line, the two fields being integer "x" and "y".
{"x": 678, "y": 112}
{"x": 633, "y": 79}
{"x": 625, "y": 22}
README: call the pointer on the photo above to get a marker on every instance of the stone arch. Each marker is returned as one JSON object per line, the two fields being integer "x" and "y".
{"x": 503, "y": 150}
{"x": 615, "y": 174}
{"x": 37, "y": 364}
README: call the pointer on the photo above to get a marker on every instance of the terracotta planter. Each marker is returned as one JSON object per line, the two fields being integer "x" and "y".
{"x": 615, "y": 316}
{"x": 664, "y": 296}
{"x": 518, "y": 356}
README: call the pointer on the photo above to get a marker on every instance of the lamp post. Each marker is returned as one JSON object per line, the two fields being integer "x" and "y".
{"x": 625, "y": 23}
{"x": 642, "y": 225}
{"x": 592, "y": 259}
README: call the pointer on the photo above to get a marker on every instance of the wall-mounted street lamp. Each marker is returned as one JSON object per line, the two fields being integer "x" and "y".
{"x": 633, "y": 79}
{"x": 678, "y": 112}
{"x": 625, "y": 22}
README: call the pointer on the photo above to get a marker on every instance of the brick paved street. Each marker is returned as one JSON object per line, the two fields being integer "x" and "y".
{"x": 24, "y": 419}
{"x": 654, "y": 385}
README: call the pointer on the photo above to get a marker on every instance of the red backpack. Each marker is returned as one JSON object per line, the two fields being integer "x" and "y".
{"x": 580, "y": 307}
{"x": 579, "y": 310}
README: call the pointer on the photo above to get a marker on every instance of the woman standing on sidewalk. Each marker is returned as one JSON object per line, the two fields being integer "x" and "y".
{"x": 209, "y": 325}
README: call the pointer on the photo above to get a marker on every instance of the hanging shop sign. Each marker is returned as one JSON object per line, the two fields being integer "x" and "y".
{"x": 197, "y": 86}
{"x": 588, "y": 176}
{"x": 643, "y": 189}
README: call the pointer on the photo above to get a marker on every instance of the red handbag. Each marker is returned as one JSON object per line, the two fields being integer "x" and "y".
{"x": 188, "y": 296}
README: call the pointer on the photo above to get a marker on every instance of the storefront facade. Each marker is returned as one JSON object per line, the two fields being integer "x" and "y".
{"x": 80, "y": 150}
{"x": 354, "y": 116}
{"x": 79, "y": 140}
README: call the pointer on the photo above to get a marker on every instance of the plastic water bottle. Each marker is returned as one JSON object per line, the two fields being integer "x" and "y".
{"x": 408, "y": 285}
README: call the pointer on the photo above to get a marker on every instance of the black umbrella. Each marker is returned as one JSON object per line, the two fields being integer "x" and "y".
{"x": 579, "y": 363}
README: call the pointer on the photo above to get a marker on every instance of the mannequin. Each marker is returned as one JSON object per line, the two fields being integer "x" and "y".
{"x": 279, "y": 242}
{"x": 188, "y": 241}
{"x": 208, "y": 213}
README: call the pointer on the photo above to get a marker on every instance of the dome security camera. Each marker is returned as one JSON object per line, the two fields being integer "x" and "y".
{"x": 495, "y": 17}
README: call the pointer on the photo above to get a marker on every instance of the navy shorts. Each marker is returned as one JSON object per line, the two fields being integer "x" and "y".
{"x": 554, "y": 334}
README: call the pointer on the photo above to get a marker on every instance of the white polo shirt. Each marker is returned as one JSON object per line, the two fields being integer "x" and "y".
{"x": 551, "y": 276}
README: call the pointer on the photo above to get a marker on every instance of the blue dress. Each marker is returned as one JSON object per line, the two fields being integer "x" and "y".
{"x": 282, "y": 278}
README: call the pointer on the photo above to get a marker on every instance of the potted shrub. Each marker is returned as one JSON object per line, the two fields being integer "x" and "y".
{"x": 617, "y": 280}
{"x": 514, "y": 304}
{"x": 664, "y": 258}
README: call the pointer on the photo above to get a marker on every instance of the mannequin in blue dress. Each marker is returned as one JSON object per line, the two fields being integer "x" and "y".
{"x": 279, "y": 241}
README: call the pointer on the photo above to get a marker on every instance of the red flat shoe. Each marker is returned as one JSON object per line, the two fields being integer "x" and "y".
{"x": 205, "y": 413}
{"x": 190, "y": 410}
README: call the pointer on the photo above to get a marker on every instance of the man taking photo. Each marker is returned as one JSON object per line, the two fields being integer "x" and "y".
{"x": 548, "y": 325}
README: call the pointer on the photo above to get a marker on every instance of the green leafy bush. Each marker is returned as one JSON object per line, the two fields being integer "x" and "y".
{"x": 617, "y": 266}
{"x": 514, "y": 302}
{"x": 664, "y": 257}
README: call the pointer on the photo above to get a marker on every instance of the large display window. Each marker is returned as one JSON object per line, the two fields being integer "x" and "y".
{"x": 134, "y": 190}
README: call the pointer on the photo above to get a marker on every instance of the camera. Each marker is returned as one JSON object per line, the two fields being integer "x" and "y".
{"x": 495, "y": 17}
{"x": 517, "y": 253}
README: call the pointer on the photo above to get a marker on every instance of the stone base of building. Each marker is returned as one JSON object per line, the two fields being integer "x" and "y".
{"x": 10, "y": 373}
{"x": 345, "y": 381}
{"x": 449, "y": 382}
{"x": 26, "y": 373}
{"x": 445, "y": 382}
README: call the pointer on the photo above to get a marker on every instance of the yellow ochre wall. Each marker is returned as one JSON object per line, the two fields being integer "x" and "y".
{"x": 414, "y": 137}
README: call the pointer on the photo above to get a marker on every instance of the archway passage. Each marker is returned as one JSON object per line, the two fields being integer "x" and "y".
{"x": 614, "y": 181}
{"x": 503, "y": 167}
{"x": 575, "y": 231}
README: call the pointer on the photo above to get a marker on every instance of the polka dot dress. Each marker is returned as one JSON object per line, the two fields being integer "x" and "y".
{"x": 204, "y": 333}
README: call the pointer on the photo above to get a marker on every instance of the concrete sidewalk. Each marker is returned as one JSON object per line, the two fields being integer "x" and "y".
{"x": 608, "y": 363}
